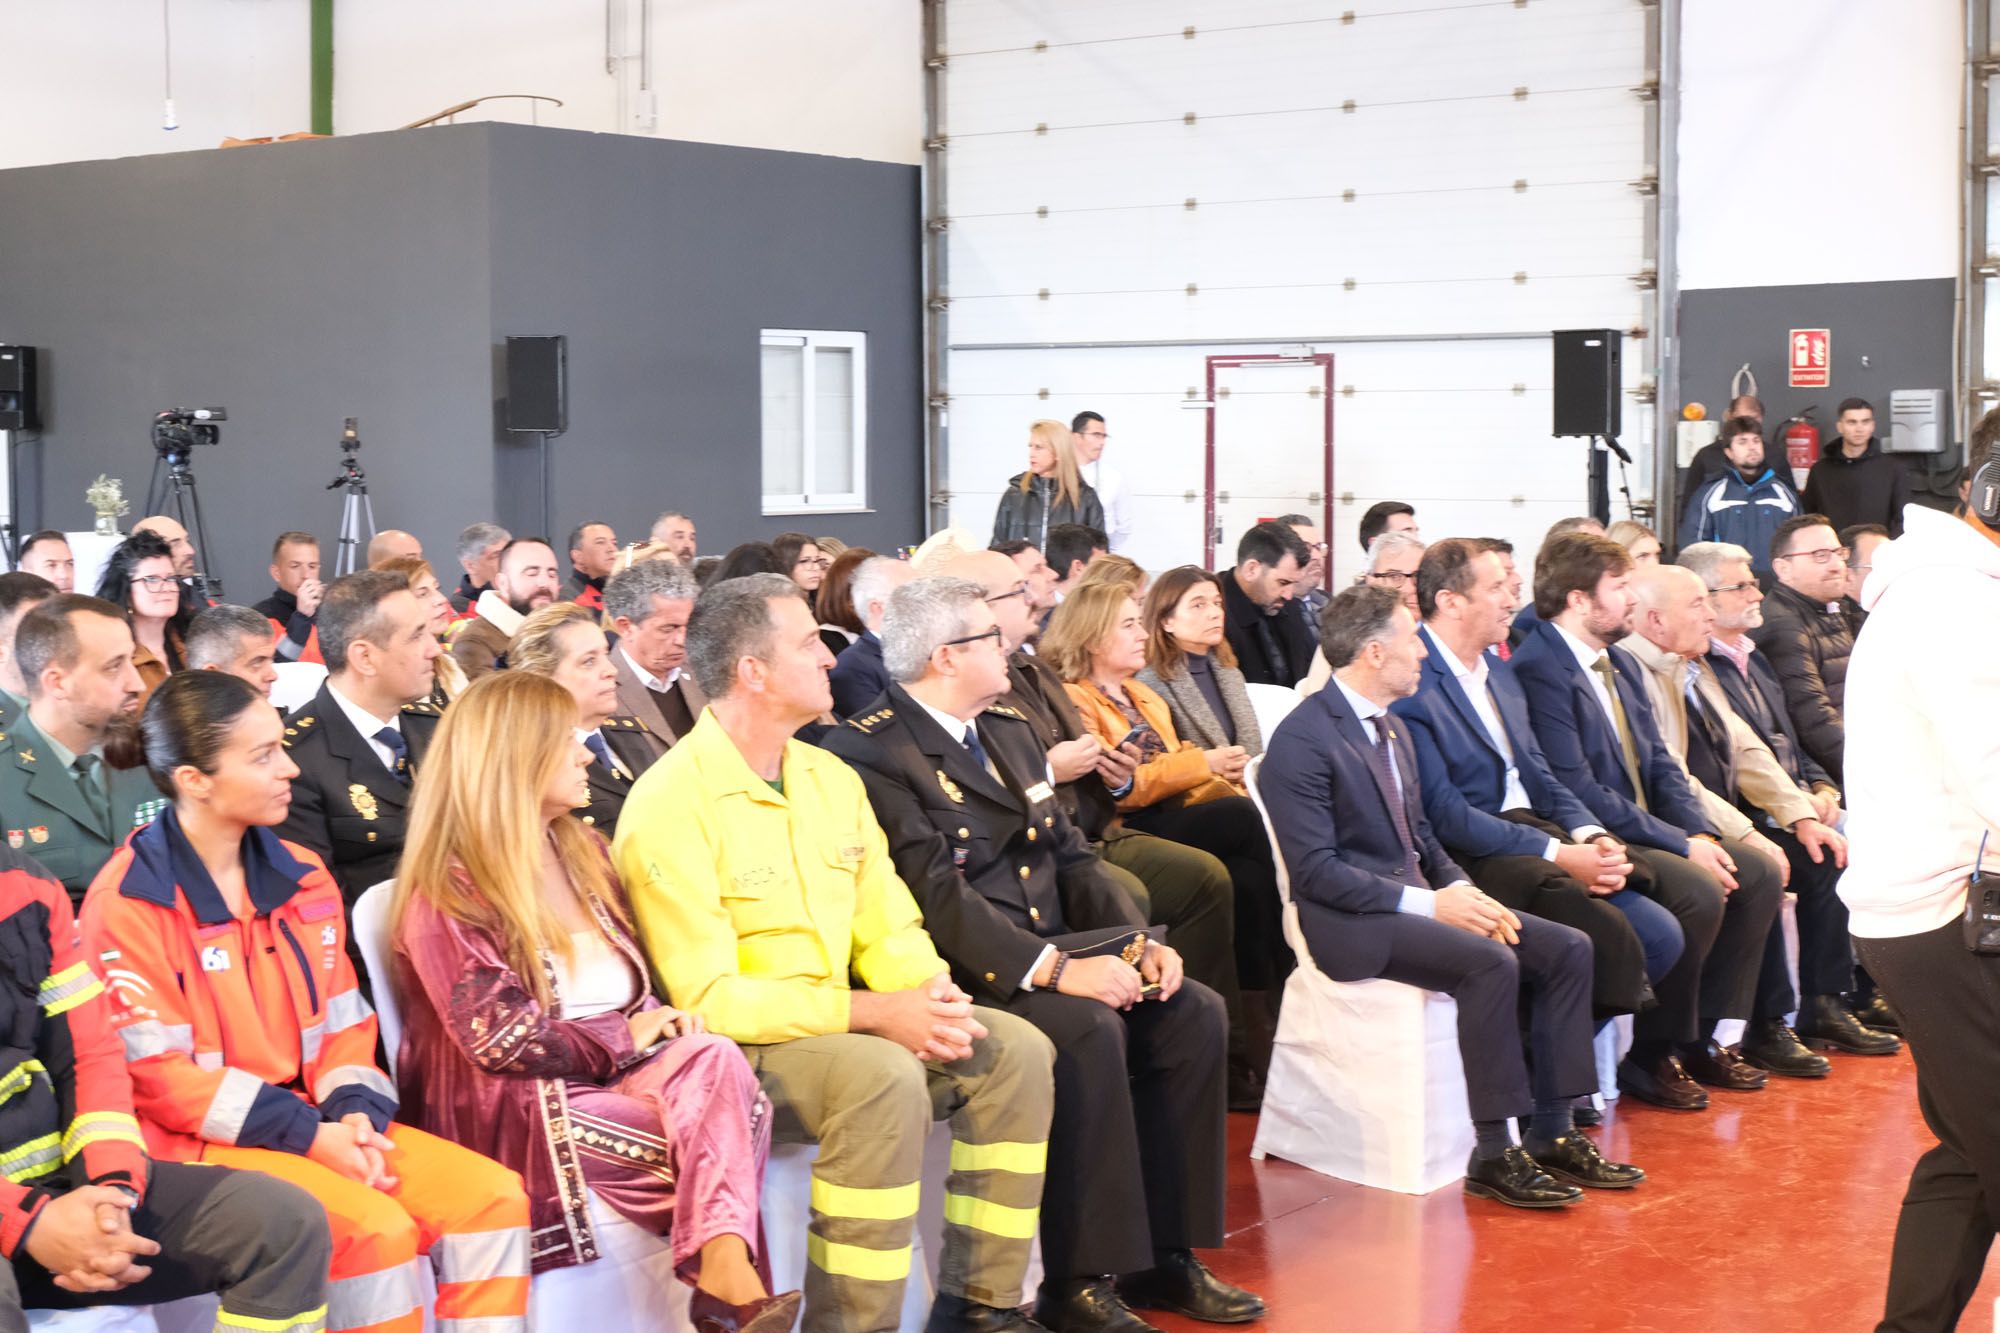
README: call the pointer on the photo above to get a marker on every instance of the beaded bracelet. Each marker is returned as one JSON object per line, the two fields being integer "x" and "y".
{"x": 1055, "y": 973}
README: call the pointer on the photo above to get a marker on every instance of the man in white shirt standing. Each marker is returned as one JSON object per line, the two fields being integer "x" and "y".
{"x": 1923, "y": 790}
{"x": 1107, "y": 481}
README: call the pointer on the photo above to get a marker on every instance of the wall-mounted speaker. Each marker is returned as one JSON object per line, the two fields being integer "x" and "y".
{"x": 538, "y": 384}
{"x": 20, "y": 396}
{"x": 1588, "y": 382}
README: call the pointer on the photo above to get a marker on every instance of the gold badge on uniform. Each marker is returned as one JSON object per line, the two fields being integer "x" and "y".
{"x": 38, "y": 834}
{"x": 950, "y": 788}
{"x": 364, "y": 801}
{"x": 15, "y": 837}
{"x": 26, "y": 756}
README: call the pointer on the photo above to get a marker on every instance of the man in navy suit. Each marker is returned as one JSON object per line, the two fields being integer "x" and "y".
{"x": 1591, "y": 714}
{"x": 1379, "y": 897}
{"x": 1491, "y": 799}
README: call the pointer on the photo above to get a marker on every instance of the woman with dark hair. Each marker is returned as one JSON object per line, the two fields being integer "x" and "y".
{"x": 744, "y": 560}
{"x": 800, "y": 560}
{"x": 1190, "y": 664}
{"x": 533, "y": 1032}
{"x": 839, "y": 619}
{"x": 449, "y": 680}
{"x": 139, "y": 580}
{"x": 247, "y": 1037}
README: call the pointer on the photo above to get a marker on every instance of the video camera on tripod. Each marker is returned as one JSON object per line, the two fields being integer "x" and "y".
{"x": 179, "y": 429}
{"x": 176, "y": 432}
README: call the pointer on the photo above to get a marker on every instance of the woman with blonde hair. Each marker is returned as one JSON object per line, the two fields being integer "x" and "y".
{"x": 531, "y": 1028}
{"x": 1120, "y": 570}
{"x": 1638, "y": 540}
{"x": 1051, "y": 491}
{"x": 565, "y": 642}
{"x": 449, "y": 676}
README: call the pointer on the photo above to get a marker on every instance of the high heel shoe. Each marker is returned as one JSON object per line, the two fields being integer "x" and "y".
{"x": 766, "y": 1314}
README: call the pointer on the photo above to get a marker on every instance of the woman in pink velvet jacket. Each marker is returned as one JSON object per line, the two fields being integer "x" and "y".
{"x": 531, "y": 1030}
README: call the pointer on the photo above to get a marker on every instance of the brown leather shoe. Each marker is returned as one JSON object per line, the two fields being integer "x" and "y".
{"x": 1720, "y": 1066}
{"x": 1662, "y": 1082}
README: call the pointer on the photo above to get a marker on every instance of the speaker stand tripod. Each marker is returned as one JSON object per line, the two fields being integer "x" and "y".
{"x": 357, "y": 513}
{"x": 174, "y": 494}
{"x": 1601, "y": 449}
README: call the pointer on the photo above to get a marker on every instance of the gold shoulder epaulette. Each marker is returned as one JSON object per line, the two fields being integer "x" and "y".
{"x": 1007, "y": 710}
{"x": 423, "y": 708}
{"x": 874, "y": 720}
{"x": 628, "y": 723}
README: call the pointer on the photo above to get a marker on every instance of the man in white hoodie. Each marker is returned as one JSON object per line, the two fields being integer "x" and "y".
{"x": 1923, "y": 787}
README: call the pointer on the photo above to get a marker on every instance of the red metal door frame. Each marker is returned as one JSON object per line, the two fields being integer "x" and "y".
{"x": 1324, "y": 360}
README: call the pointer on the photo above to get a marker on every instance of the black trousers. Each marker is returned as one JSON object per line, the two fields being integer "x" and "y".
{"x": 1531, "y": 884}
{"x": 1949, "y": 1002}
{"x": 1232, "y": 831}
{"x": 1486, "y": 977}
{"x": 1137, "y": 1143}
{"x": 1189, "y": 892}
{"x": 259, "y": 1242}
{"x": 1716, "y": 975}
{"x": 1826, "y": 959}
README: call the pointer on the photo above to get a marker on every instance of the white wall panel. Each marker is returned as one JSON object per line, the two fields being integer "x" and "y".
{"x": 1401, "y": 218}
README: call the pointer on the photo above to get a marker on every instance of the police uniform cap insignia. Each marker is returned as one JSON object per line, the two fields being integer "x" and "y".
{"x": 15, "y": 837}
{"x": 363, "y": 801}
{"x": 950, "y": 788}
{"x": 38, "y": 834}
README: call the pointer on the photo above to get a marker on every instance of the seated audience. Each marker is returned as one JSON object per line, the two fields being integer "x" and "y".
{"x": 524, "y": 581}
{"x": 1051, "y": 491}
{"x": 478, "y": 551}
{"x": 705, "y": 569}
{"x": 563, "y": 642}
{"x": 1861, "y": 541}
{"x": 799, "y": 559}
{"x": 1034, "y": 567}
{"x": 449, "y": 680}
{"x": 1854, "y": 481}
{"x": 531, "y": 1033}
{"x": 139, "y": 580}
{"x": 648, "y": 606}
{"x": 358, "y": 743}
{"x": 1590, "y": 713}
{"x": 1493, "y": 803}
{"x": 1121, "y": 571}
{"x": 1189, "y": 662}
{"x": 858, "y": 674}
{"x": 1022, "y": 910}
{"x": 251, "y": 1046}
{"x": 59, "y": 800}
{"x": 1639, "y": 541}
{"x": 675, "y": 531}
{"x": 235, "y": 640}
{"x": 1309, "y": 594}
{"x": 179, "y": 546}
{"x": 86, "y": 1209}
{"x": 940, "y": 549}
{"x": 857, "y": 1032}
{"x": 744, "y": 560}
{"x": 1826, "y": 955}
{"x": 47, "y": 553}
{"x": 1379, "y": 897}
{"x": 1071, "y": 548}
{"x": 1393, "y": 558}
{"x": 1182, "y": 888}
{"x": 1525, "y": 618}
{"x": 293, "y": 603}
{"x": 593, "y": 549}
{"x": 393, "y": 544}
{"x": 1386, "y": 516}
{"x": 1806, "y": 637}
{"x": 830, "y": 547}
{"x": 1747, "y": 503}
{"x": 19, "y": 594}
{"x": 1271, "y": 648}
{"x": 840, "y": 622}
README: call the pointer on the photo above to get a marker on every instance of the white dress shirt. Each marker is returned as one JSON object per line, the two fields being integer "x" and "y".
{"x": 368, "y": 724}
{"x": 1109, "y": 483}
{"x": 1587, "y": 658}
{"x": 647, "y": 678}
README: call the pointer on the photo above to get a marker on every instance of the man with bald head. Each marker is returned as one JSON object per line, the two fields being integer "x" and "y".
{"x": 1174, "y": 885}
{"x": 176, "y": 537}
{"x": 393, "y": 544}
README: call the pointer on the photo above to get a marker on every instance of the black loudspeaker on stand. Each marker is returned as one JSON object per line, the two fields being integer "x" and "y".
{"x": 20, "y": 399}
{"x": 1588, "y": 385}
{"x": 538, "y": 397}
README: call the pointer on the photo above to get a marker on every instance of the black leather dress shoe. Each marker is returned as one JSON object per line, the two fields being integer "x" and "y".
{"x": 1182, "y": 1284}
{"x": 955, "y": 1314}
{"x": 1574, "y": 1158}
{"x": 1513, "y": 1178}
{"x": 1775, "y": 1048}
{"x": 1662, "y": 1082}
{"x": 1720, "y": 1067}
{"x": 1586, "y": 1114}
{"x": 1825, "y": 1021}
{"x": 1874, "y": 1012}
{"x": 1086, "y": 1305}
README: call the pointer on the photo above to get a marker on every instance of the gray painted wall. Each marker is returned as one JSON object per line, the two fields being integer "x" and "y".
{"x": 377, "y": 276}
{"x": 1902, "y": 330}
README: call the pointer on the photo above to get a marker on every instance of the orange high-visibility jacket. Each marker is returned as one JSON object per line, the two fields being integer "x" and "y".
{"x": 212, "y": 1060}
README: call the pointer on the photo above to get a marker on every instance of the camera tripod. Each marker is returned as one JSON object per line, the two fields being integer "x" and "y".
{"x": 174, "y": 494}
{"x": 356, "y": 510}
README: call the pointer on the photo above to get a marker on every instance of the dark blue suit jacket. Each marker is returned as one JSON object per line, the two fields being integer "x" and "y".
{"x": 1583, "y": 750}
{"x": 1764, "y": 682}
{"x": 1464, "y": 777}
{"x": 858, "y": 676}
{"x": 1334, "y": 826}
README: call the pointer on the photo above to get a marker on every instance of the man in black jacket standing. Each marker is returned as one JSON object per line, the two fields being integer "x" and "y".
{"x": 1271, "y": 648}
{"x": 1021, "y": 908}
{"x": 1806, "y": 635}
{"x": 1854, "y": 481}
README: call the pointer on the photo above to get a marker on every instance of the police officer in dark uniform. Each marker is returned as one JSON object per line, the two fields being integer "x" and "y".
{"x": 360, "y": 742}
{"x": 626, "y": 751}
{"x": 1023, "y": 911}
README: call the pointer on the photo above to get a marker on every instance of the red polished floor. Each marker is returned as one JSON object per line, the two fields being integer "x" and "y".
{"x": 1771, "y": 1211}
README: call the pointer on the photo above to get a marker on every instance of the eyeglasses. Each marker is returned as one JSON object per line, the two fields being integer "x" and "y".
{"x": 1018, "y": 590}
{"x": 1825, "y": 555}
{"x": 154, "y": 582}
{"x": 1744, "y": 586}
{"x": 999, "y": 640}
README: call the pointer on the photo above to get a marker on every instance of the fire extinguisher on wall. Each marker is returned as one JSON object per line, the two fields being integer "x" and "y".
{"x": 1801, "y": 439}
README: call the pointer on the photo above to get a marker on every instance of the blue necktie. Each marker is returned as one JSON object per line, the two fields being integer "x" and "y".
{"x": 399, "y": 748}
{"x": 597, "y": 745}
{"x": 976, "y": 750}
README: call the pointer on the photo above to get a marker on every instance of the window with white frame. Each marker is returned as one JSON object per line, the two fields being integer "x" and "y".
{"x": 815, "y": 421}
